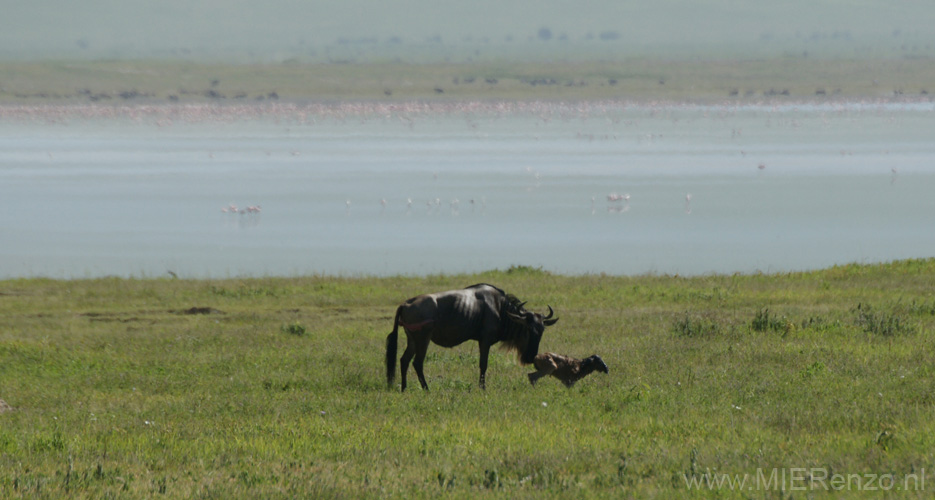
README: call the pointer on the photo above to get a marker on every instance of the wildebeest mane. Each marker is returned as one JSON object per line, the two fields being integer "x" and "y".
{"x": 476, "y": 285}
{"x": 514, "y": 335}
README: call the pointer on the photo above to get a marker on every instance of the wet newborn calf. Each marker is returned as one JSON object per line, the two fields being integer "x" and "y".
{"x": 568, "y": 370}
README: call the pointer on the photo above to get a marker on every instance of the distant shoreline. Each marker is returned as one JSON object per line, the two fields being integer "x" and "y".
{"x": 781, "y": 79}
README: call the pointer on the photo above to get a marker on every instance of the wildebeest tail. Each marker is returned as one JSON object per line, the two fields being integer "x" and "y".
{"x": 391, "y": 341}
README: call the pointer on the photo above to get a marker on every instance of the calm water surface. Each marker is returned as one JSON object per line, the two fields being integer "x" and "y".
{"x": 711, "y": 189}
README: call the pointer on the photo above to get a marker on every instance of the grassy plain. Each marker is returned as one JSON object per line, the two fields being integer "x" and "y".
{"x": 145, "y": 82}
{"x": 274, "y": 388}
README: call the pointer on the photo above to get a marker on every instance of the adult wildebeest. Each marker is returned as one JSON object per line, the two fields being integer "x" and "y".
{"x": 479, "y": 312}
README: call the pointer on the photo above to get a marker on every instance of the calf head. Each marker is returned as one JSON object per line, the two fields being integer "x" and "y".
{"x": 595, "y": 363}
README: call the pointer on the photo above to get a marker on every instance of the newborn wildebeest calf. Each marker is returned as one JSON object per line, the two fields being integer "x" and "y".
{"x": 567, "y": 369}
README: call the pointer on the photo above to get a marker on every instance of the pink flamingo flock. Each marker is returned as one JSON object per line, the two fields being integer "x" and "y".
{"x": 233, "y": 209}
{"x": 168, "y": 114}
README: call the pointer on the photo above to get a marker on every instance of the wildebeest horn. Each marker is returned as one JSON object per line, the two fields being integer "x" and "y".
{"x": 547, "y": 321}
{"x": 516, "y": 317}
{"x": 521, "y": 304}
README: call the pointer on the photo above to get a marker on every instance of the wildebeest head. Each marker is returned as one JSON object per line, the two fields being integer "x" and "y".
{"x": 528, "y": 329}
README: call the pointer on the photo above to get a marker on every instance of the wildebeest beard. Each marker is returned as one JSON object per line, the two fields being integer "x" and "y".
{"x": 517, "y": 336}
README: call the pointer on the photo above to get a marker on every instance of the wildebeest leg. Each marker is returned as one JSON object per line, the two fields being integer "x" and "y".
{"x": 484, "y": 352}
{"x": 421, "y": 348}
{"x": 404, "y": 362}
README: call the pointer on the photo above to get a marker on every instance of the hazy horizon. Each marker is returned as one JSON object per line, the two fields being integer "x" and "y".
{"x": 415, "y": 31}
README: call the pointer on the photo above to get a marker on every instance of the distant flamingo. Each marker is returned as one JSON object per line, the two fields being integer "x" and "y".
{"x": 615, "y": 199}
{"x": 233, "y": 209}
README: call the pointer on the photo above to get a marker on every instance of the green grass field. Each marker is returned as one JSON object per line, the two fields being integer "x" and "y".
{"x": 274, "y": 388}
{"x": 146, "y": 82}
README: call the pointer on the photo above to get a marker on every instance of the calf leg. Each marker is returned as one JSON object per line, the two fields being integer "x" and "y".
{"x": 541, "y": 372}
{"x": 545, "y": 365}
{"x": 534, "y": 376}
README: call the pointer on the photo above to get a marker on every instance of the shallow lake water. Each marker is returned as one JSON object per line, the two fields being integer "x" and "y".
{"x": 611, "y": 188}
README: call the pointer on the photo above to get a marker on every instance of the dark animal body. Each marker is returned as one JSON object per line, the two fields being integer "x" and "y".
{"x": 565, "y": 368}
{"x": 479, "y": 312}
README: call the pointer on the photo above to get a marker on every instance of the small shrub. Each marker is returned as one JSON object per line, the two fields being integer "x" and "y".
{"x": 762, "y": 322}
{"x": 526, "y": 270}
{"x": 693, "y": 326}
{"x": 879, "y": 323}
{"x": 294, "y": 329}
{"x": 813, "y": 370}
{"x": 492, "y": 479}
{"x": 245, "y": 292}
{"x": 886, "y": 438}
{"x": 446, "y": 480}
{"x": 921, "y": 308}
{"x": 819, "y": 324}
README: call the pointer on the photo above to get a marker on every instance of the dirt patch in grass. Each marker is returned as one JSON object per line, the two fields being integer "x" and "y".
{"x": 200, "y": 310}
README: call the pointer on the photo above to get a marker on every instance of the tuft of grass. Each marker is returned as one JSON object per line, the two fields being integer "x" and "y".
{"x": 813, "y": 370}
{"x": 693, "y": 325}
{"x": 763, "y": 322}
{"x": 244, "y": 291}
{"x": 294, "y": 329}
{"x": 882, "y": 323}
